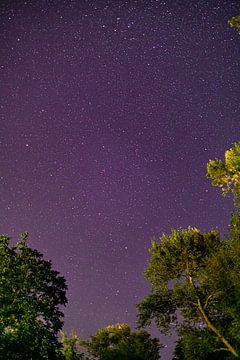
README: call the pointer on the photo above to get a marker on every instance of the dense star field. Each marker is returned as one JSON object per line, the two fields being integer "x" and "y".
{"x": 110, "y": 111}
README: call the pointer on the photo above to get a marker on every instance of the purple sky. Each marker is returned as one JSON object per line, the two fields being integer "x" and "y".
{"x": 110, "y": 111}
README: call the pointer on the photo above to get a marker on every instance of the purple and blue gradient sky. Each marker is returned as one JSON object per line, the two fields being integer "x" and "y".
{"x": 110, "y": 111}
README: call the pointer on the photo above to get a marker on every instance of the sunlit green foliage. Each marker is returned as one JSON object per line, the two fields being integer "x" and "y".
{"x": 227, "y": 175}
{"x": 235, "y": 22}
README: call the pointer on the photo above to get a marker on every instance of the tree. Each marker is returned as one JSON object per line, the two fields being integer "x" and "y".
{"x": 195, "y": 274}
{"x": 31, "y": 294}
{"x": 70, "y": 348}
{"x": 227, "y": 176}
{"x": 221, "y": 276}
{"x": 118, "y": 342}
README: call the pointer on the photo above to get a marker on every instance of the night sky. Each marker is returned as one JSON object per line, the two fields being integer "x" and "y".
{"x": 110, "y": 111}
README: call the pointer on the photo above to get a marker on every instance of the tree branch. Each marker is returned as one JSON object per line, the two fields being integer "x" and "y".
{"x": 207, "y": 300}
{"x": 209, "y": 324}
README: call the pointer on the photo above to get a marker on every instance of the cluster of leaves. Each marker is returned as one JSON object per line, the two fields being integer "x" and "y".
{"x": 235, "y": 22}
{"x": 70, "y": 348}
{"x": 172, "y": 271}
{"x": 227, "y": 176}
{"x": 118, "y": 342}
{"x": 30, "y": 296}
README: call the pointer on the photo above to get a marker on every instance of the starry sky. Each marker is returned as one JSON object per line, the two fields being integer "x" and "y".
{"x": 110, "y": 111}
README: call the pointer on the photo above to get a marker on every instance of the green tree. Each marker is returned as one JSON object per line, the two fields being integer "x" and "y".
{"x": 118, "y": 343}
{"x": 70, "y": 349}
{"x": 227, "y": 175}
{"x": 31, "y": 294}
{"x": 189, "y": 272}
{"x": 221, "y": 278}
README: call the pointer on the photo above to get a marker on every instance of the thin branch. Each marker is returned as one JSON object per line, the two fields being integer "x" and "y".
{"x": 221, "y": 349}
{"x": 207, "y": 300}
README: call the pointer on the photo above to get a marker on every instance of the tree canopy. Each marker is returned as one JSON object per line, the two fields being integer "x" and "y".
{"x": 119, "y": 342}
{"x": 31, "y": 294}
{"x": 196, "y": 274}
